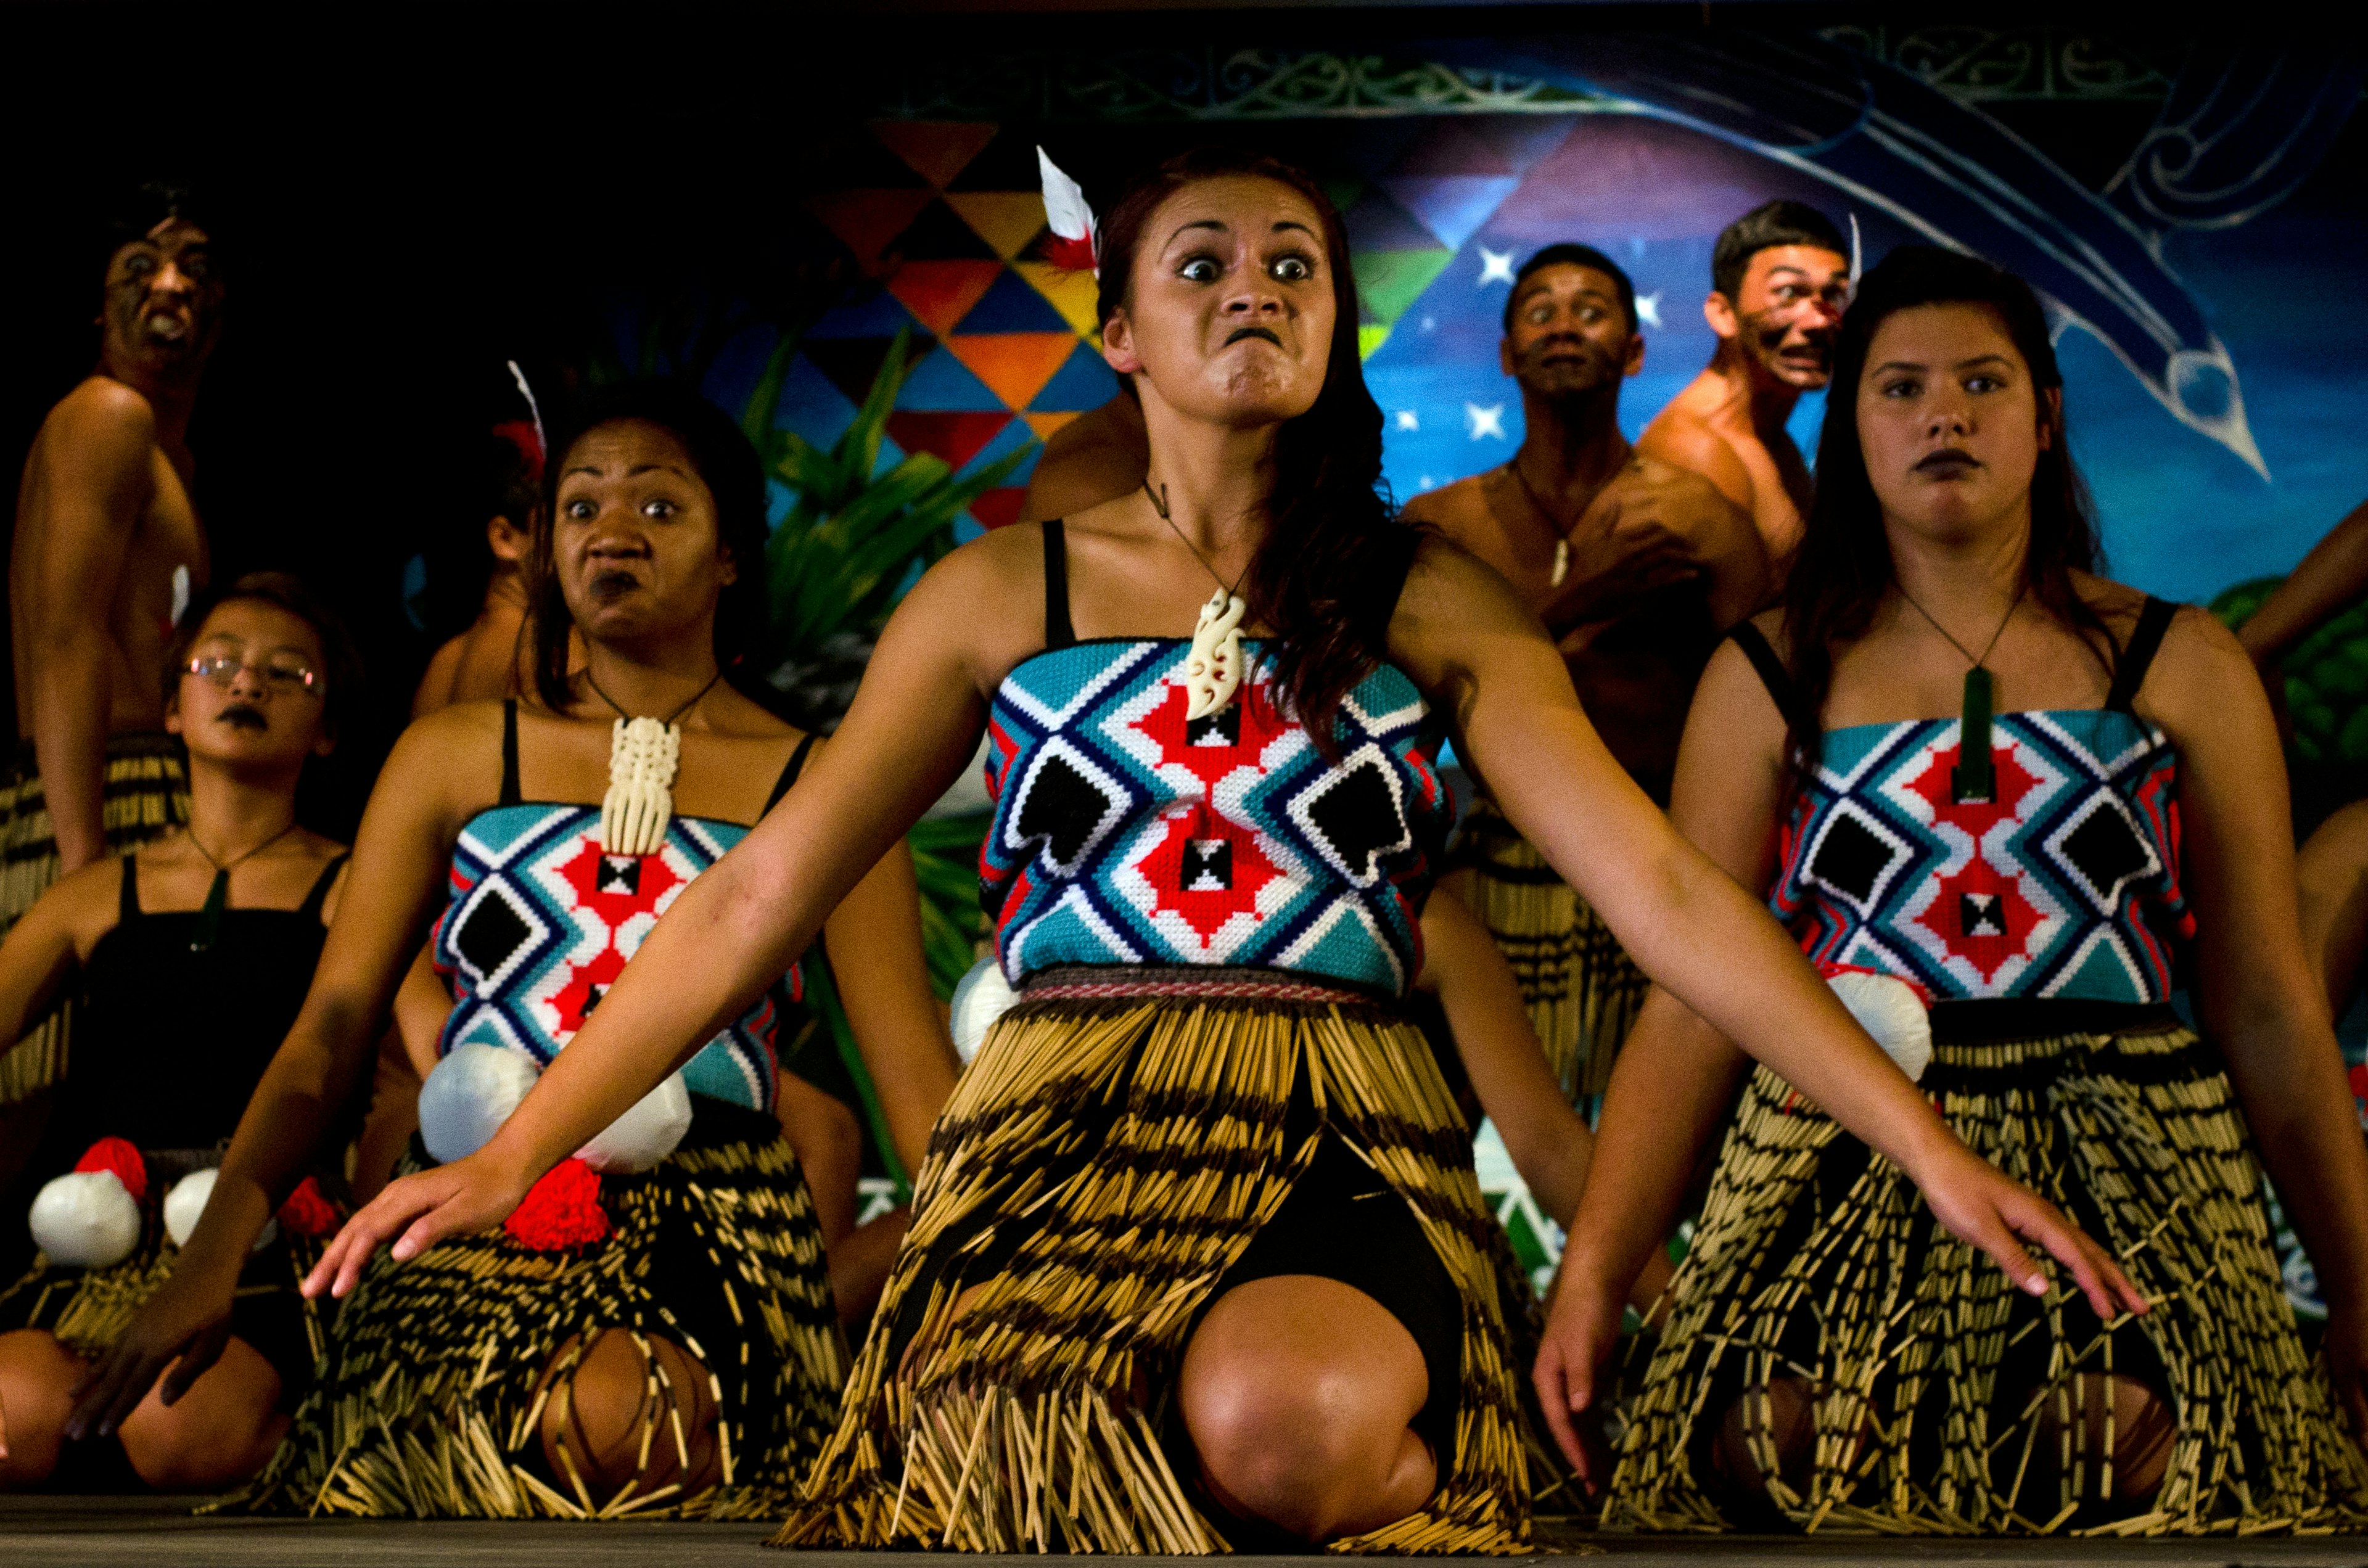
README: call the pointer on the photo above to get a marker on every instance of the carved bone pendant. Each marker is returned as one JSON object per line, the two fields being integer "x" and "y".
{"x": 1213, "y": 670}
{"x": 642, "y": 757}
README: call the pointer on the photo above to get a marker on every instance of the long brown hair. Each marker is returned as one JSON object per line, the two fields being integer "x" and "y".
{"x": 1844, "y": 567}
{"x": 1326, "y": 576}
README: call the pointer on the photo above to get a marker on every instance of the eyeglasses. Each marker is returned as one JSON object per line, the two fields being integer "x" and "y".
{"x": 281, "y": 676}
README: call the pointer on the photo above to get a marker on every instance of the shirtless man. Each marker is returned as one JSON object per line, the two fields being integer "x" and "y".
{"x": 108, "y": 550}
{"x": 1780, "y": 277}
{"x": 1637, "y": 567}
{"x": 491, "y": 660}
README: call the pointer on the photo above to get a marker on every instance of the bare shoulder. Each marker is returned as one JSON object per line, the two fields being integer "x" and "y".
{"x": 1451, "y": 506}
{"x": 1448, "y": 586}
{"x": 101, "y": 432}
{"x": 999, "y": 562}
{"x": 436, "y": 681}
{"x": 1100, "y": 454}
{"x": 1680, "y": 439}
{"x": 86, "y": 902}
{"x": 103, "y": 405}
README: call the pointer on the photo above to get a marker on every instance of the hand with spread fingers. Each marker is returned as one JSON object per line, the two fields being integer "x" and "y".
{"x": 179, "y": 1333}
{"x": 416, "y": 1212}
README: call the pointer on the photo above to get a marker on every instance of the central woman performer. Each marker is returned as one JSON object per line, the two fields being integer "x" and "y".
{"x": 1197, "y": 1257}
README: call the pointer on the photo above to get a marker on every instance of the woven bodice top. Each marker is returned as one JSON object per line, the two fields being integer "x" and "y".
{"x": 541, "y": 921}
{"x": 2064, "y": 885}
{"x": 1125, "y": 834}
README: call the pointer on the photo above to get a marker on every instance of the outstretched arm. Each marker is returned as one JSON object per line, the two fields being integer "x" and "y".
{"x": 400, "y": 858}
{"x": 915, "y": 723}
{"x": 2332, "y": 575}
{"x": 1687, "y": 924}
{"x": 89, "y": 482}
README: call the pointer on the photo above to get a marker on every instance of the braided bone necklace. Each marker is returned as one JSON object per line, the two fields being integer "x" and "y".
{"x": 644, "y": 755}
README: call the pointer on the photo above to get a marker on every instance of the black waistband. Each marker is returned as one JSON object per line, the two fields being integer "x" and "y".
{"x": 2040, "y": 1018}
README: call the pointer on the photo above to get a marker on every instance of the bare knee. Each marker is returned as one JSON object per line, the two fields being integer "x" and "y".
{"x": 217, "y": 1434}
{"x": 629, "y": 1411}
{"x": 1770, "y": 1433}
{"x": 2105, "y": 1423}
{"x": 37, "y": 1380}
{"x": 1298, "y": 1391}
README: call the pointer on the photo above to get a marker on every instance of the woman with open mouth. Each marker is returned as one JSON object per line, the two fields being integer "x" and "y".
{"x": 2012, "y": 806}
{"x": 653, "y": 1332}
{"x": 189, "y": 957}
{"x": 1198, "y": 1258}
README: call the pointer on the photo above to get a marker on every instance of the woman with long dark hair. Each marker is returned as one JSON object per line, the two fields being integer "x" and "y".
{"x": 2010, "y": 806}
{"x": 653, "y": 1334}
{"x": 1198, "y": 1257}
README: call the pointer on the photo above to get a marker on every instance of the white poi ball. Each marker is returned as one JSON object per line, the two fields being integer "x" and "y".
{"x": 981, "y": 997}
{"x": 644, "y": 1134}
{"x": 187, "y": 1203}
{"x": 86, "y": 1219}
{"x": 1889, "y": 1010}
{"x": 468, "y": 1097}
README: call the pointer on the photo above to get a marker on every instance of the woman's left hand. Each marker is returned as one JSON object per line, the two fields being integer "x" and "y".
{"x": 416, "y": 1212}
{"x": 2346, "y": 1349}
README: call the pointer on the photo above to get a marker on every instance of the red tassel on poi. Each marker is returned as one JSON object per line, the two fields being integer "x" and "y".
{"x": 307, "y": 1213}
{"x": 123, "y": 1157}
{"x": 562, "y": 1210}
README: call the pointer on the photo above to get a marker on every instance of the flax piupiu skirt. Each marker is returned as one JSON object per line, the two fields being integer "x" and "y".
{"x": 426, "y": 1403}
{"x": 1110, "y": 1165}
{"x": 1944, "y": 1399}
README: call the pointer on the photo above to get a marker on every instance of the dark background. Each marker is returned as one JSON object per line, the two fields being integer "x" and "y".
{"x": 406, "y": 201}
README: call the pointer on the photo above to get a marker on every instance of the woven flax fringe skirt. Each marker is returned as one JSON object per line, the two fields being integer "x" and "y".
{"x": 147, "y": 796}
{"x": 428, "y": 1403}
{"x": 1944, "y": 1399}
{"x": 1582, "y": 988}
{"x": 1112, "y": 1154}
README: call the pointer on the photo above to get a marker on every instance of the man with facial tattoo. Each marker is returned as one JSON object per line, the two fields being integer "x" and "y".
{"x": 1780, "y": 277}
{"x": 106, "y": 553}
{"x": 1636, "y": 567}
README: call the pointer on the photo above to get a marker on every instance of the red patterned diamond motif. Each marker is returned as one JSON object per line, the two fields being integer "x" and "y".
{"x": 1233, "y": 737}
{"x": 1208, "y": 871}
{"x": 1976, "y": 817}
{"x": 618, "y": 887}
{"x": 1981, "y": 917}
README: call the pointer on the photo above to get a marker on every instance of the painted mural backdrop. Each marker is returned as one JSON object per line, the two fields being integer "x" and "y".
{"x": 2174, "y": 203}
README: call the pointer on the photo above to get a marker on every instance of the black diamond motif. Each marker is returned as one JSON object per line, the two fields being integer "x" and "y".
{"x": 490, "y": 934}
{"x": 1063, "y": 808}
{"x": 1981, "y": 915}
{"x": 1223, "y": 727}
{"x": 620, "y": 873}
{"x": 1358, "y": 818}
{"x": 1849, "y": 859}
{"x": 592, "y": 997}
{"x": 1208, "y": 865}
{"x": 2106, "y": 851}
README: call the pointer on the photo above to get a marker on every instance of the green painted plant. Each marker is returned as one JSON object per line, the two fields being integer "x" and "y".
{"x": 2326, "y": 675}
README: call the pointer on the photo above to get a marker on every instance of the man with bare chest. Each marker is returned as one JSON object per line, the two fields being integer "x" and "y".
{"x": 1637, "y": 568}
{"x": 107, "y": 551}
{"x": 1779, "y": 278}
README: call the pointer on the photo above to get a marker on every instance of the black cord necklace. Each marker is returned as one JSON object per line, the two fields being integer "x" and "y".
{"x": 671, "y": 718}
{"x": 210, "y": 914}
{"x": 1975, "y": 778}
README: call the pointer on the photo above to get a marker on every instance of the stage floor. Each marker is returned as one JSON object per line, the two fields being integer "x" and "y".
{"x": 38, "y": 1532}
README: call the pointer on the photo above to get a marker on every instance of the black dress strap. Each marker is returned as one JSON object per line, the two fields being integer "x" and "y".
{"x": 311, "y": 907}
{"x": 1772, "y": 673}
{"x": 510, "y": 796}
{"x": 1059, "y": 632}
{"x": 1391, "y": 571}
{"x": 2130, "y": 672}
{"x": 790, "y": 771}
{"x": 127, "y": 904}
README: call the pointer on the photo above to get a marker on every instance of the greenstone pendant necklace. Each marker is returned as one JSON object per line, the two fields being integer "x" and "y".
{"x": 210, "y": 914}
{"x": 1975, "y": 778}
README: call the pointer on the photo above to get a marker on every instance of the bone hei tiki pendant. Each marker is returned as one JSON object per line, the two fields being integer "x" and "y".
{"x": 642, "y": 757}
{"x": 1213, "y": 670}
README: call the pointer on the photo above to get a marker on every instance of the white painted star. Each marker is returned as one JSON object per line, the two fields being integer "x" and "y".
{"x": 1425, "y": 482}
{"x": 1485, "y": 422}
{"x": 1431, "y": 323}
{"x": 1495, "y": 266}
{"x": 1406, "y": 420}
{"x": 1649, "y": 309}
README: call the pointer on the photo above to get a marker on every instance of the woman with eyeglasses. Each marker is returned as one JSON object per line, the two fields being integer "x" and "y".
{"x": 654, "y": 1334}
{"x": 189, "y": 957}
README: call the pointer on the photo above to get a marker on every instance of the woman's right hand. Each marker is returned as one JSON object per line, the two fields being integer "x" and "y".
{"x": 1582, "y": 1334}
{"x": 183, "y": 1327}
{"x": 417, "y": 1211}
{"x": 1984, "y": 1207}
